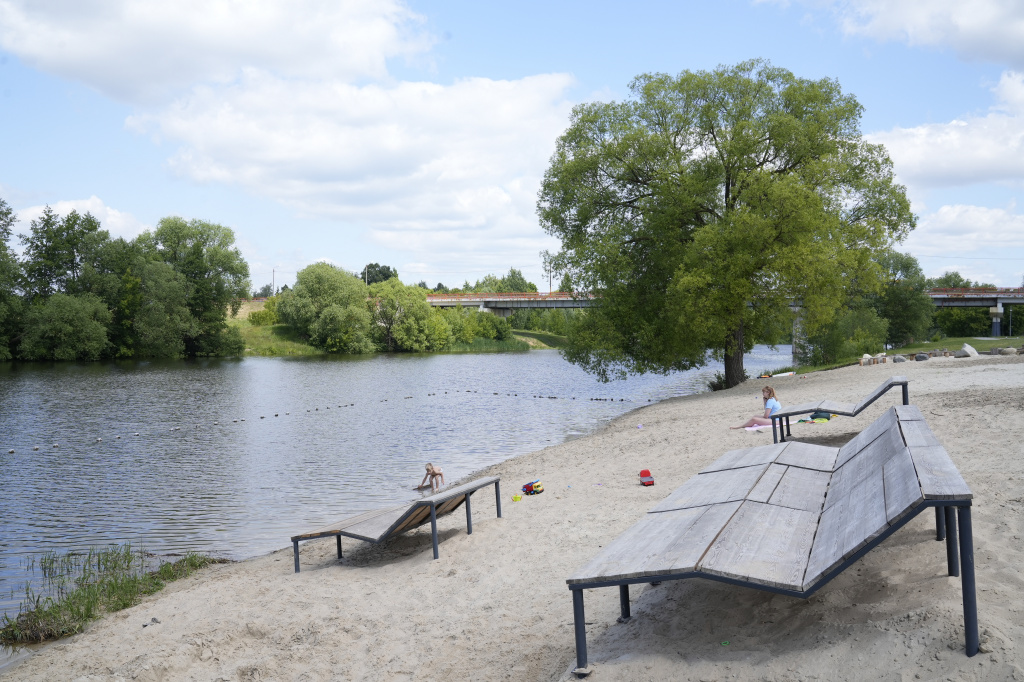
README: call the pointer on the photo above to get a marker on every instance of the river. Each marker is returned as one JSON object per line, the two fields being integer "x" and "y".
{"x": 232, "y": 457}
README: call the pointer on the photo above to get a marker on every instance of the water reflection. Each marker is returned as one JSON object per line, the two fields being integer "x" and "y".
{"x": 232, "y": 457}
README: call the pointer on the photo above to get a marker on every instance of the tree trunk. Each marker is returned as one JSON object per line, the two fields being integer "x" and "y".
{"x": 734, "y": 358}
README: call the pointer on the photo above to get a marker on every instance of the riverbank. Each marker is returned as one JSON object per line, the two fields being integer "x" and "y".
{"x": 495, "y": 605}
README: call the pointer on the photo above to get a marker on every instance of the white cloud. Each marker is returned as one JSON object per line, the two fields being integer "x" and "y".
{"x": 405, "y": 158}
{"x": 139, "y": 50}
{"x": 117, "y": 223}
{"x": 980, "y": 29}
{"x": 973, "y": 149}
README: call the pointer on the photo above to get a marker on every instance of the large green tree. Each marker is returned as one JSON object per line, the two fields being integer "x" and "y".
{"x": 10, "y": 276}
{"x": 329, "y": 306}
{"x": 65, "y": 327}
{"x": 903, "y": 299}
{"x": 700, "y": 209}
{"x": 215, "y": 276}
{"x": 57, "y": 250}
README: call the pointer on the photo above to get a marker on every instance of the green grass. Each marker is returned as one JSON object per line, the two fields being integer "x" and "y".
{"x": 81, "y": 587}
{"x": 545, "y": 338}
{"x": 274, "y": 340}
{"x": 955, "y": 343}
{"x": 488, "y": 346}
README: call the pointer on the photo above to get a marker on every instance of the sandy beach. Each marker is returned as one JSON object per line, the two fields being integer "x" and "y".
{"x": 495, "y": 606}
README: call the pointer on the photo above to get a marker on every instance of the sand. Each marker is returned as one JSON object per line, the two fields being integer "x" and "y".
{"x": 496, "y": 606}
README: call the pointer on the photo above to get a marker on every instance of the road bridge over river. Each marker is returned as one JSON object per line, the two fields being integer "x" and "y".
{"x": 993, "y": 298}
{"x": 504, "y": 305}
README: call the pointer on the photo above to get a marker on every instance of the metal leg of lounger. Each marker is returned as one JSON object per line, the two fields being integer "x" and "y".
{"x": 497, "y": 496}
{"x": 775, "y": 434}
{"x": 433, "y": 529}
{"x": 623, "y": 603}
{"x": 788, "y": 432}
{"x": 952, "y": 555}
{"x": 579, "y": 622}
{"x": 940, "y": 524}
{"x": 469, "y": 516}
{"x": 295, "y": 546}
{"x": 970, "y": 596}
{"x": 339, "y": 546}
{"x": 906, "y": 394}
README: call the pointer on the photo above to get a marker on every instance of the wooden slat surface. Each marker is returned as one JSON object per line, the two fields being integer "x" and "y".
{"x": 864, "y": 438}
{"x": 659, "y": 544}
{"x": 908, "y": 413}
{"x": 808, "y": 456}
{"x": 735, "y": 459}
{"x": 902, "y": 490}
{"x": 939, "y": 477}
{"x": 763, "y": 544}
{"x": 461, "y": 489}
{"x": 846, "y": 526}
{"x": 803, "y": 408}
{"x": 766, "y": 485}
{"x": 713, "y": 488}
{"x": 844, "y": 409}
{"x": 801, "y": 489}
{"x": 333, "y": 528}
{"x": 917, "y": 434}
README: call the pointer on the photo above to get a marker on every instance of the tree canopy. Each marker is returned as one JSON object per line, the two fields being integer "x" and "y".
{"x": 375, "y": 272}
{"x": 700, "y": 209}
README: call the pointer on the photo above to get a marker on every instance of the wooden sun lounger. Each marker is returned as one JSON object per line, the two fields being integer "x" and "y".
{"x": 789, "y": 517}
{"x": 379, "y": 525}
{"x": 831, "y": 406}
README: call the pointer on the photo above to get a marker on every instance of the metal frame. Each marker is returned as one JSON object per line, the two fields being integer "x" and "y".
{"x": 412, "y": 508}
{"x": 954, "y": 514}
{"x": 786, "y": 432}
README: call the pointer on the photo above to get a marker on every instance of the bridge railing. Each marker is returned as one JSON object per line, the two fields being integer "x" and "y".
{"x": 977, "y": 291}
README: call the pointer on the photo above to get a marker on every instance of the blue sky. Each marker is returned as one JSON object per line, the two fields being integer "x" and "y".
{"x": 416, "y": 133}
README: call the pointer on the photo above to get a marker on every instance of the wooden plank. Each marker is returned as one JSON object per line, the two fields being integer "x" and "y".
{"x": 684, "y": 553}
{"x": 375, "y": 529}
{"x": 461, "y": 489}
{"x": 627, "y": 555}
{"x": 766, "y": 485}
{"x": 937, "y": 474}
{"x": 803, "y": 408}
{"x": 801, "y": 489}
{"x": 764, "y": 544}
{"x": 867, "y": 462}
{"x": 908, "y": 413}
{"x": 902, "y": 490}
{"x": 808, "y": 456}
{"x": 746, "y": 457}
{"x": 864, "y": 438}
{"x": 845, "y": 409}
{"x": 334, "y": 528}
{"x": 846, "y": 526}
{"x": 918, "y": 434}
{"x": 713, "y": 488}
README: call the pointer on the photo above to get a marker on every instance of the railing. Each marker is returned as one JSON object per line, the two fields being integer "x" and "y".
{"x": 985, "y": 292}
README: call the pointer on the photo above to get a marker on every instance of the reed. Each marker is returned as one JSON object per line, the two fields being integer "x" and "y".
{"x": 480, "y": 345}
{"x": 77, "y": 588}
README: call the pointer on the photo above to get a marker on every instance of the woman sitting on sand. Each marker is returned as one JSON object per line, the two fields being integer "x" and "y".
{"x": 771, "y": 406}
{"x": 433, "y": 473}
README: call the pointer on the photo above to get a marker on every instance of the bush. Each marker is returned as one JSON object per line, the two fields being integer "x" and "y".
{"x": 262, "y": 318}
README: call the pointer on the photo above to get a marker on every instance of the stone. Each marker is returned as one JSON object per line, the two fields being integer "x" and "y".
{"x": 961, "y": 354}
{"x": 967, "y": 348}
{"x": 898, "y": 358}
{"x": 921, "y": 356}
{"x": 1007, "y": 351}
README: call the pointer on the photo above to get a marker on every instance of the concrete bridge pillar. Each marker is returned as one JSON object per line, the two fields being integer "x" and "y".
{"x": 500, "y": 312}
{"x": 996, "y": 312}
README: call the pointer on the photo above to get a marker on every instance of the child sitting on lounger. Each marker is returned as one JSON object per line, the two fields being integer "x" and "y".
{"x": 433, "y": 473}
{"x": 771, "y": 406}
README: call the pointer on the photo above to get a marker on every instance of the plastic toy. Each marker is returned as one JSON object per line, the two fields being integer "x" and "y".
{"x": 646, "y": 478}
{"x": 533, "y": 487}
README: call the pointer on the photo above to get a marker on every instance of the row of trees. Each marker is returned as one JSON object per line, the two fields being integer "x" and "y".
{"x": 77, "y": 294}
{"x": 338, "y": 312}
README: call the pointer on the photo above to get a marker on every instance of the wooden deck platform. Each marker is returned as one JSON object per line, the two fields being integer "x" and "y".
{"x": 789, "y": 517}
{"x": 781, "y": 418}
{"x": 379, "y": 525}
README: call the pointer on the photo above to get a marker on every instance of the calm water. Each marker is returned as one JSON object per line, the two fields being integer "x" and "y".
{"x": 232, "y": 457}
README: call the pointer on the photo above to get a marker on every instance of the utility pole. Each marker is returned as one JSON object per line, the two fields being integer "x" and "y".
{"x": 273, "y": 281}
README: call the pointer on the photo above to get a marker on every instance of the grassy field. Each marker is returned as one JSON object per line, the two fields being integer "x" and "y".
{"x": 541, "y": 339}
{"x": 272, "y": 341}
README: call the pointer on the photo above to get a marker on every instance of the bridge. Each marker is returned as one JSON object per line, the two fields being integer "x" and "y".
{"x": 504, "y": 305}
{"x": 993, "y": 298}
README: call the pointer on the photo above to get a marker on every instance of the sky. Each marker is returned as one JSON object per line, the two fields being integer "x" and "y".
{"x": 416, "y": 134}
